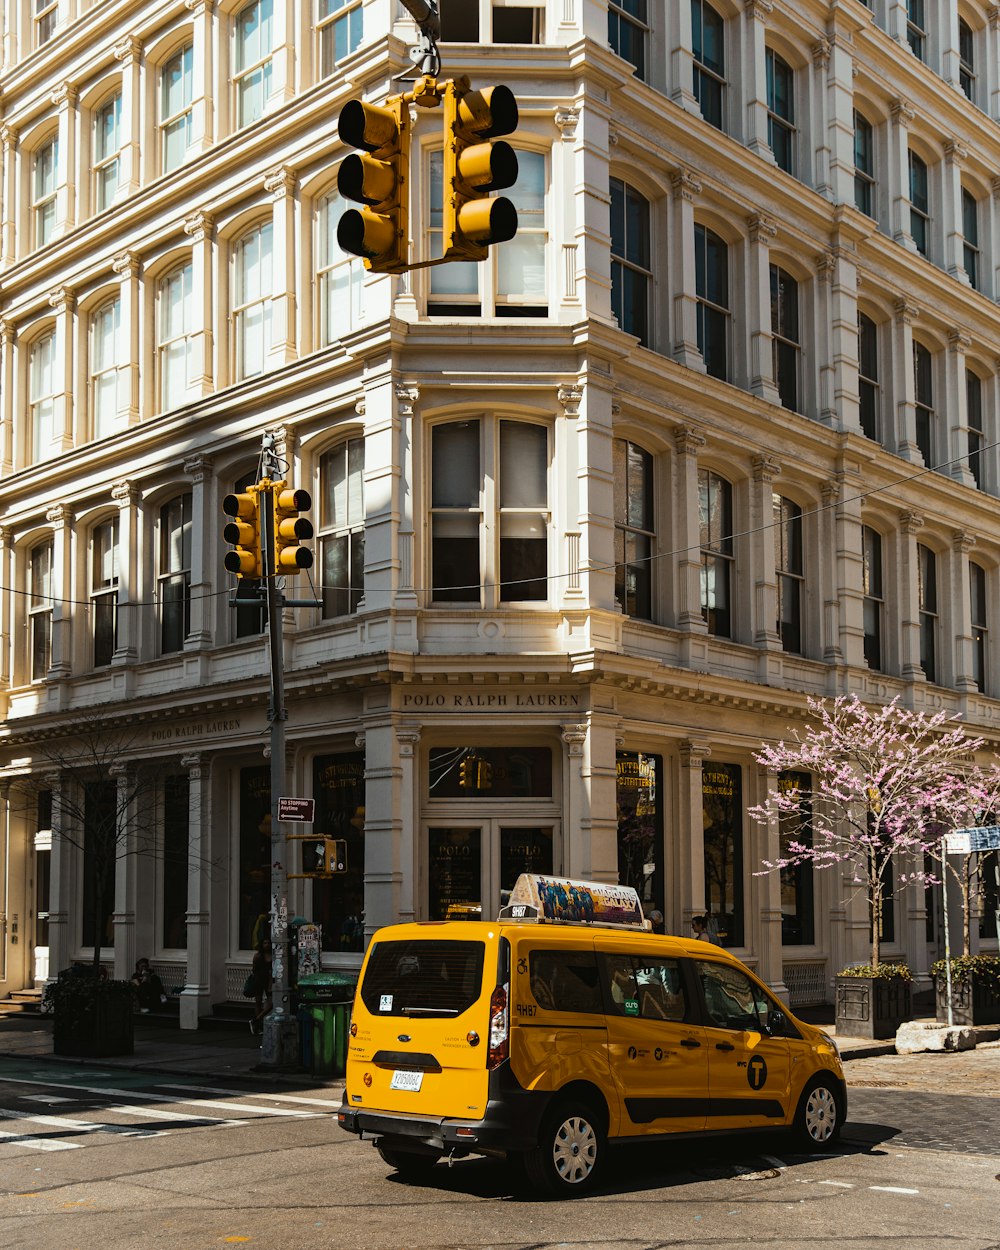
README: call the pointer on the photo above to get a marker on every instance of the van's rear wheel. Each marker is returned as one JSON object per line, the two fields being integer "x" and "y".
{"x": 571, "y": 1150}
{"x": 411, "y": 1163}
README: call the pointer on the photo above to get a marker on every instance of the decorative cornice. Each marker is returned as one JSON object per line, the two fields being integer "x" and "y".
{"x": 685, "y": 185}
{"x": 125, "y": 493}
{"x": 902, "y": 112}
{"x": 59, "y": 515}
{"x": 566, "y": 121}
{"x": 127, "y": 265}
{"x": 280, "y": 181}
{"x": 9, "y": 135}
{"x": 821, "y": 53}
{"x": 128, "y": 50}
{"x": 906, "y": 313}
{"x": 962, "y": 541}
{"x": 693, "y": 752}
{"x": 959, "y": 341}
{"x": 65, "y": 94}
{"x": 955, "y": 152}
{"x": 910, "y": 522}
{"x": 765, "y": 468}
{"x": 571, "y": 397}
{"x": 62, "y": 299}
{"x": 758, "y": 10}
{"x": 200, "y": 225}
{"x": 574, "y": 736}
{"x": 406, "y": 399}
{"x": 198, "y": 468}
{"x": 688, "y": 441}
{"x": 762, "y": 228}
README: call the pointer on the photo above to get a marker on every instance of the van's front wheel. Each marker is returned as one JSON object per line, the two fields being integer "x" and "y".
{"x": 409, "y": 1163}
{"x": 570, "y": 1154}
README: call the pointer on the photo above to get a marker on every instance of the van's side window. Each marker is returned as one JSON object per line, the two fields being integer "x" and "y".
{"x": 732, "y": 1001}
{"x": 645, "y": 986}
{"x": 565, "y": 981}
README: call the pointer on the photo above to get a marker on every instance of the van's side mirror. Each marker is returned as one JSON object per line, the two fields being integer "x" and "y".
{"x": 776, "y": 1021}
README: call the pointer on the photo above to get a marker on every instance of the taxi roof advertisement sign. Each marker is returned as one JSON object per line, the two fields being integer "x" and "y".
{"x": 588, "y": 902}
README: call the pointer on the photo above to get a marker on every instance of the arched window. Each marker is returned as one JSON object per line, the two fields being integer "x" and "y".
{"x": 708, "y": 53}
{"x": 781, "y": 111}
{"x": 339, "y": 26}
{"x": 254, "y": 284}
{"x": 173, "y": 583}
{"x": 107, "y": 151}
{"x": 927, "y": 601}
{"x": 104, "y": 591}
{"x": 342, "y": 526}
{"x": 254, "y": 56}
{"x": 874, "y": 600}
{"x": 715, "y": 517}
{"x": 785, "y": 344}
{"x": 40, "y": 609}
{"x": 176, "y": 108}
{"x": 711, "y": 263}
{"x": 966, "y": 59}
{"x": 979, "y": 621}
{"x": 864, "y": 165}
{"x": 45, "y": 166}
{"x": 341, "y": 276}
{"x": 923, "y": 395}
{"x": 175, "y": 330}
{"x": 869, "y": 391}
{"x": 105, "y": 360}
{"x": 42, "y": 388}
{"x": 971, "y": 260}
{"x": 789, "y": 570}
{"x": 631, "y": 277}
{"x": 920, "y": 205}
{"x": 635, "y": 535}
{"x": 974, "y": 421}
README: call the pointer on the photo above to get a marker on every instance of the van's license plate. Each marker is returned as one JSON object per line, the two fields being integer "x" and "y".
{"x": 406, "y": 1080}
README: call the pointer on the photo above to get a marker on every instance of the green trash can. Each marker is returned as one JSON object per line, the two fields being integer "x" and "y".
{"x": 327, "y": 997}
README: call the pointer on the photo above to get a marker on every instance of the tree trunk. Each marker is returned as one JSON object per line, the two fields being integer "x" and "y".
{"x": 875, "y": 894}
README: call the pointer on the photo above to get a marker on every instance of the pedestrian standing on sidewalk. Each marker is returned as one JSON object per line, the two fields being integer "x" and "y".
{"x": 262, "y": 983}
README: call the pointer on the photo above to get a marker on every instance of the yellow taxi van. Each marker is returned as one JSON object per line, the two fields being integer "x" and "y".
{"x": 564, "y": 1027}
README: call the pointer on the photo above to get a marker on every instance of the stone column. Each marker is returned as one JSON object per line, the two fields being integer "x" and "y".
{"x": 990, "y": 78}
{"x": 685, "y": 187}
{"x": 689, "y": 892}
{"x": 404, "y": 476}
{"x": 408, "y": 771}
{"x": 761, "y": 231}
{"x": 755, "y": 15}
{"x": 764, "y": 843}
{"x": 840, "y": 114}
{"x": 763, "y": 558}
{"x": 128, "y": 267}
{"x": 62, "y": 882}
{"x": 202, "y": 61}
{"x": 825, "y": 370}
{"x": 200, "y": 228}
{"x": 280, "y": 183}
{"x": 827, "y": 590}
{"x": 10, "y": 453}
{"x": 845, "y": 405}
{"x": 848, "y": 583}
{"x": 7, "y": 616}
{"x": 680, "y": 58}
{"x": 65, "y": 98}
{"x": 590, "y": 836}
{"x": 63, "y": 300}
{"x": 904, "y": 419}
{"x": 910, "y": 524}
{"x": 567, "y": 228}
{"x": 134, "y": 906}
{"x": 956, "y": 406}
{"x": 196, "y": 996}
{"x": 944, "y": 19}
{"x": 951, "y": 211}
{"x": 60, "y": 517}
{"x": 204, "y": 549}
{"x": 687, "y": 530}
{"x": 9, "y": 244}
{"x": 390, "y": 816}
{"x": 818, "y": 170}
{"x": 383, "y": 412}
{"x": 959, "y": 607}
{"x": 899, "y": 173}
{"x": 565, "y": 449}
{"x": 126, "y": 496}
{"x": 129, "y": 52}
{"x": 593, "y": 501}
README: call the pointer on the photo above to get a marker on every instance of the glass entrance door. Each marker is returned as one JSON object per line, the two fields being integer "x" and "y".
{"x": 471, "y": 866}
{"x": 43, "y": 870}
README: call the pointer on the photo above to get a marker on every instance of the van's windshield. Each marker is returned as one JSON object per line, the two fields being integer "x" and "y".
{"x": 423, "y": 978}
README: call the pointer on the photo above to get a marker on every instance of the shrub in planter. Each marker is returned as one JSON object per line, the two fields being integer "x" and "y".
{"x": 92, "y": 1017}
{"x": 975, "y": 989}
{"x": 873, "y": 1000}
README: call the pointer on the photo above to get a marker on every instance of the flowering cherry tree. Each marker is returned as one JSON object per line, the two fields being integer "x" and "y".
{"x": 885, "y": 781}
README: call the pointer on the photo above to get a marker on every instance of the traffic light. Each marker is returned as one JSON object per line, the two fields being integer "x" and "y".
{"x": 290, "y": 529}
{"x": 474, "y": 166}
{"x": 243, "y": 532}
{"x": 376, "y": 177}
{"x": 329, "y": 856}
{"x": 467, "y": 773}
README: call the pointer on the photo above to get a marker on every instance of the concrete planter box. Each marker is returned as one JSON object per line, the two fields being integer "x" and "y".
{"x": 974, "y": 1000}
{"x": 871, "y": 1006}
{"x": 97, "y": 1029}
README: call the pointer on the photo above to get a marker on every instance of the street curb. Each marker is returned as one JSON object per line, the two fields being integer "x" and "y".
{"x": 867, "y": 1052}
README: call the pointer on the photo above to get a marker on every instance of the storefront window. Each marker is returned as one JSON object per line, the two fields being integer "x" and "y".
{"x": 524, "y": 850}
{"x": 797, "y": 920}
{"x": 989, "y": 884}
{"x": 455, "y": 874}
{"x": 339, "y": 904}
{"x": 175, "y": 862}
{"x": 100, "y": 846}
{"x": 640, "y": 825}
{"x": 490, "y": 772}
{"x": 255, "y": 855}
{"x": 722, "y": 816}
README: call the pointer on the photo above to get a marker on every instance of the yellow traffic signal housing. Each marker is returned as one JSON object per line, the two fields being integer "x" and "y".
{"x": 336, "y": 854}
{"x": 290, "y": 529}
{"x": 474, "y": 166}
{"x": 243, "y": 532}
{"x": 376, "y": 177}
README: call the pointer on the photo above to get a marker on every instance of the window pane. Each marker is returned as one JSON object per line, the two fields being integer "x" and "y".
{"x": 455, "y": 475}
{"x": 523, "y": 465}
{"x": 722, "y": 813}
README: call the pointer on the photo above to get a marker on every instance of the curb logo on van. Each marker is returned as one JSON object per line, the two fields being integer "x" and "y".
{"x": 756, "y": 1072}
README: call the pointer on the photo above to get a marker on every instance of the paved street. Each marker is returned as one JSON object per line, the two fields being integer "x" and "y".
{"x": 93, "y": 1158}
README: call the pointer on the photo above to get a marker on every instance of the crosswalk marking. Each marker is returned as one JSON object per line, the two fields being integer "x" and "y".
{"x": 22, "y": 1139}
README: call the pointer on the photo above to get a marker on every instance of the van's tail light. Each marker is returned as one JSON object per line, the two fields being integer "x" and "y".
{"x": 499, "y": 1028}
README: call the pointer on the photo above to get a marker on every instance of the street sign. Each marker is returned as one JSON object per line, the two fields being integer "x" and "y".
{"x": 965, "y": 841}
{"x": 303, "y": 810}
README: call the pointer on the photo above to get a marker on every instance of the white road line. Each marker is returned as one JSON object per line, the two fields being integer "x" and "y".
{"x": 893, "y": 1189}
{"x": 52, "y": 1099}
{"x": 838, "y": 1184}
{"x": 23, "y": 1139}
{"x": 336, "y": 1104}
{"x": 199, "y": 1102}
{"x": 775, "y": 1163}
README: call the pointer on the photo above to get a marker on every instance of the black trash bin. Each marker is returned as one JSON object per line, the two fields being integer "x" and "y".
{"x": 326, "y": 998}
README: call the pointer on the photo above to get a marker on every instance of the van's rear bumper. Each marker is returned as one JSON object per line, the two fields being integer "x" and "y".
{"x": 511, "y": 1122}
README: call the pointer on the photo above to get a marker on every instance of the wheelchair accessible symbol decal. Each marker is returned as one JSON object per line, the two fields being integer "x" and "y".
{"x": 756, "y": 1072}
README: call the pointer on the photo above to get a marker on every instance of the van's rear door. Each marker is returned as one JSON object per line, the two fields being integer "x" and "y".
{"x": 422, "y": 996}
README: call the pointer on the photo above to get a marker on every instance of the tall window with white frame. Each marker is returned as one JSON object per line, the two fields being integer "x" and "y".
{"x": 916, "y": 28}
{"x": 708, "y": 51}
{"x": 104, "y": 591}
{"x": 42, "y": 396}
{"x": 711, "y": 263}
{"x": 631, "y": 275}
{"x": 175, "y": 330}
{"x": 254, "y": 38}
{"x": 873, "y": 596}
{"x": 635, "y": 535}
{"x": 107, "y": 151}
{"x": 43, "y": 192}
{"x": 864, "y": 165}
{"x": 40, "y": 589}
{"x": 979, "y": 622}
{"x": 253, "y": 287}
{"x": 46, "y": 15}
{"x": 339, "y": 24}
{"x": 927, "y": 600}
{"x": 974, "y": 421}
{"x": 920, "y": 204}
{"x": 781, "y": 110}
{"x": 967, "y": 59}
{"x": 869, "y": 391}
{"x": 105, "y": 358}
{"x": 970, "y": 239}
{"x": 176, "y": 108}
{"x": 923, "y": 395}
{"x": 340, "y": 275}
{"x": 790, "y": 574}
{"x": 715, "y": 519}
{"x": 785, "y": 345}
{"x": 628, "y": 31}
{"x": 173, "y": 584}
{"x": 489, "y": 512}
{"x": 342, "y": 526}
